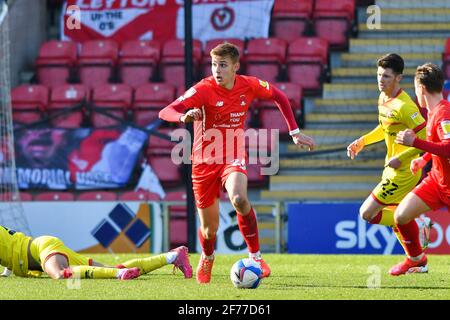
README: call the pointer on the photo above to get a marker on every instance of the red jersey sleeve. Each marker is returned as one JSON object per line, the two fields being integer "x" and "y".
{"x": 190, "y": 99}
{"x": 266, "y": 91}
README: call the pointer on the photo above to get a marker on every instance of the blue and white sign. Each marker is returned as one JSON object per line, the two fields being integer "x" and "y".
{"x": 333, "y": 228}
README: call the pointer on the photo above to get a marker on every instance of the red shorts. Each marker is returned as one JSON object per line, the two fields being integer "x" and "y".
{"x": 207, "y": 179}
{"x": 428, "y": 190}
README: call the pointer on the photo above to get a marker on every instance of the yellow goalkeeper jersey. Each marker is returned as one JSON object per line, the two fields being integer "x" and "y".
{"x": 394, "y": 115}
{"x": 14, "y": 251}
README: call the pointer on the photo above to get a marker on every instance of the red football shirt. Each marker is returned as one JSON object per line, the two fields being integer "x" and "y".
{"x": 438, "y": 130}
{"x": 219, "y": 136}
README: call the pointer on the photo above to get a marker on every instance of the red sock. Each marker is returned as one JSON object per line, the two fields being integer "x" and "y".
{"x": 410, "y": 236}
{"x": 377, "y": 218}
{"x": 207, "y": 244}
{"x": 249, "y": 230}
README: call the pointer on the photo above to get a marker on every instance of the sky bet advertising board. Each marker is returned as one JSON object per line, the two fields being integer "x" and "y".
{"x": 333, "y": 228}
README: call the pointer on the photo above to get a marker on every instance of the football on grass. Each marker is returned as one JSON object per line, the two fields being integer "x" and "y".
{"x": 246, "y": 273}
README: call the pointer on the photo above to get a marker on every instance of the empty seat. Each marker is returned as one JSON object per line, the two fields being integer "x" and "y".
{"x": 254, "y": 176}
{"x": 55, "y": 62}
{"x": 172, "y": 61}
{"x": 29, "y": 103}
{"x": 446, "y": 59}
{"x": 178, "y": 219}
{"x": 97, "y": 196}
{"x": 110, "y": 102}
{"x": 167, "y": 172}
{"x": 264, "y": 58}
{"x": 96, "y": 61}
{"x": 291, "y": 19}
{"x": 138, "y": 61}
{"x": 333, "y": 21}
{"x": 160, "y": 146}
{"x": 139, "y": 196}
{"x": 270, "y": 116}
{"x": 66, "y": 106}
{"x": 19, "y": 196}
{"x": 54, "y": 196}
{"x": 306, "y": 61}
{"x": 149, "y": 99}
{"x": 211, "y": 44}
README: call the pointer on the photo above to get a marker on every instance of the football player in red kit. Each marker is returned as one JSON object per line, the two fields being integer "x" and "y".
{"x": 434, "y": 191}
{"x": 218, "y": 107}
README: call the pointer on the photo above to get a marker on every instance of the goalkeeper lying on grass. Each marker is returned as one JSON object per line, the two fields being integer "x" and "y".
{"x": 28, "y": 257}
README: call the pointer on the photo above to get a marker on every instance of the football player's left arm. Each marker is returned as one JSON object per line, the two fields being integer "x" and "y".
{"x": 266, "y": 91}
{"x": 285, "y": 108}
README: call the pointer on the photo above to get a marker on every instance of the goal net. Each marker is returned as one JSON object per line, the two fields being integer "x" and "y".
{"x": 11, "y": 210}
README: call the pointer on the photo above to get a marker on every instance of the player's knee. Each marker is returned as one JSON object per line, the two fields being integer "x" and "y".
{"x": 208, "y": 233}
{"x": 239, "y": 202}
{"x": 400, "y": 218}
{"x": 365, "y": 215}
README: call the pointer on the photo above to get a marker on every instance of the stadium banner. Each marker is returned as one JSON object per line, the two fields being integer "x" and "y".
{"x": 440, "y": 232}
{"x": 83, "y": 158}
{"x": 164, "y": 19}
{"x": 334, "y": 228}
{"x": 99, "y": 227}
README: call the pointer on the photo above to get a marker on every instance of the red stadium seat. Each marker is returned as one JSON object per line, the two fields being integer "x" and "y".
{"x": 139, "y": 196}
{"x": 115, "y": 100}
{"x": 255, "y": 178}
{"x": 270, "y": 116}
{"x": 264, "y": 57}
{"x": 333, "y": 21}
{"x": 211, "y": 44}
{"x": 178, "y": 219}
{"x": 149, "y": 99}
{"x": 20, "y": 196}
{"x": 54, "y": 196}
{"x": 55, "y": 62}
{"x": 306, "y": 61}
{"x": 160, "y": 146}
{"x": 291, "y": 19}
{"x": 167, "y": 172}
{"x": 172, "y": 61}
{"x": 97, "y": 196}
{"x": 446, "y": 59}
{"x": 138, "y": 61}
{"x": 64, "y": 98}
{"x": 29, "y": 103}
{"x": 96, "y": 61}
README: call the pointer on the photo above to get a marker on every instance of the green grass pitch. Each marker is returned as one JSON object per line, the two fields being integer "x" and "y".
{"x": 293, "y": 277}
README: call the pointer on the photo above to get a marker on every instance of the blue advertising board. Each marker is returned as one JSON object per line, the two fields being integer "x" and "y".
{"x": 333, "y": 228}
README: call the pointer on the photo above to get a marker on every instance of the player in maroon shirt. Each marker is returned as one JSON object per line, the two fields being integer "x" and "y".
{"x": 218, "y": 107}
{"x": 434, "y": 191}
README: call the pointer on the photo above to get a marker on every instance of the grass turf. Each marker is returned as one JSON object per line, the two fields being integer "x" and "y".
{"x": 293, "y": 277}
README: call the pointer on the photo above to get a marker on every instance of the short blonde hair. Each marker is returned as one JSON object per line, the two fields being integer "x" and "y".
{"x": 226, "y": 49}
